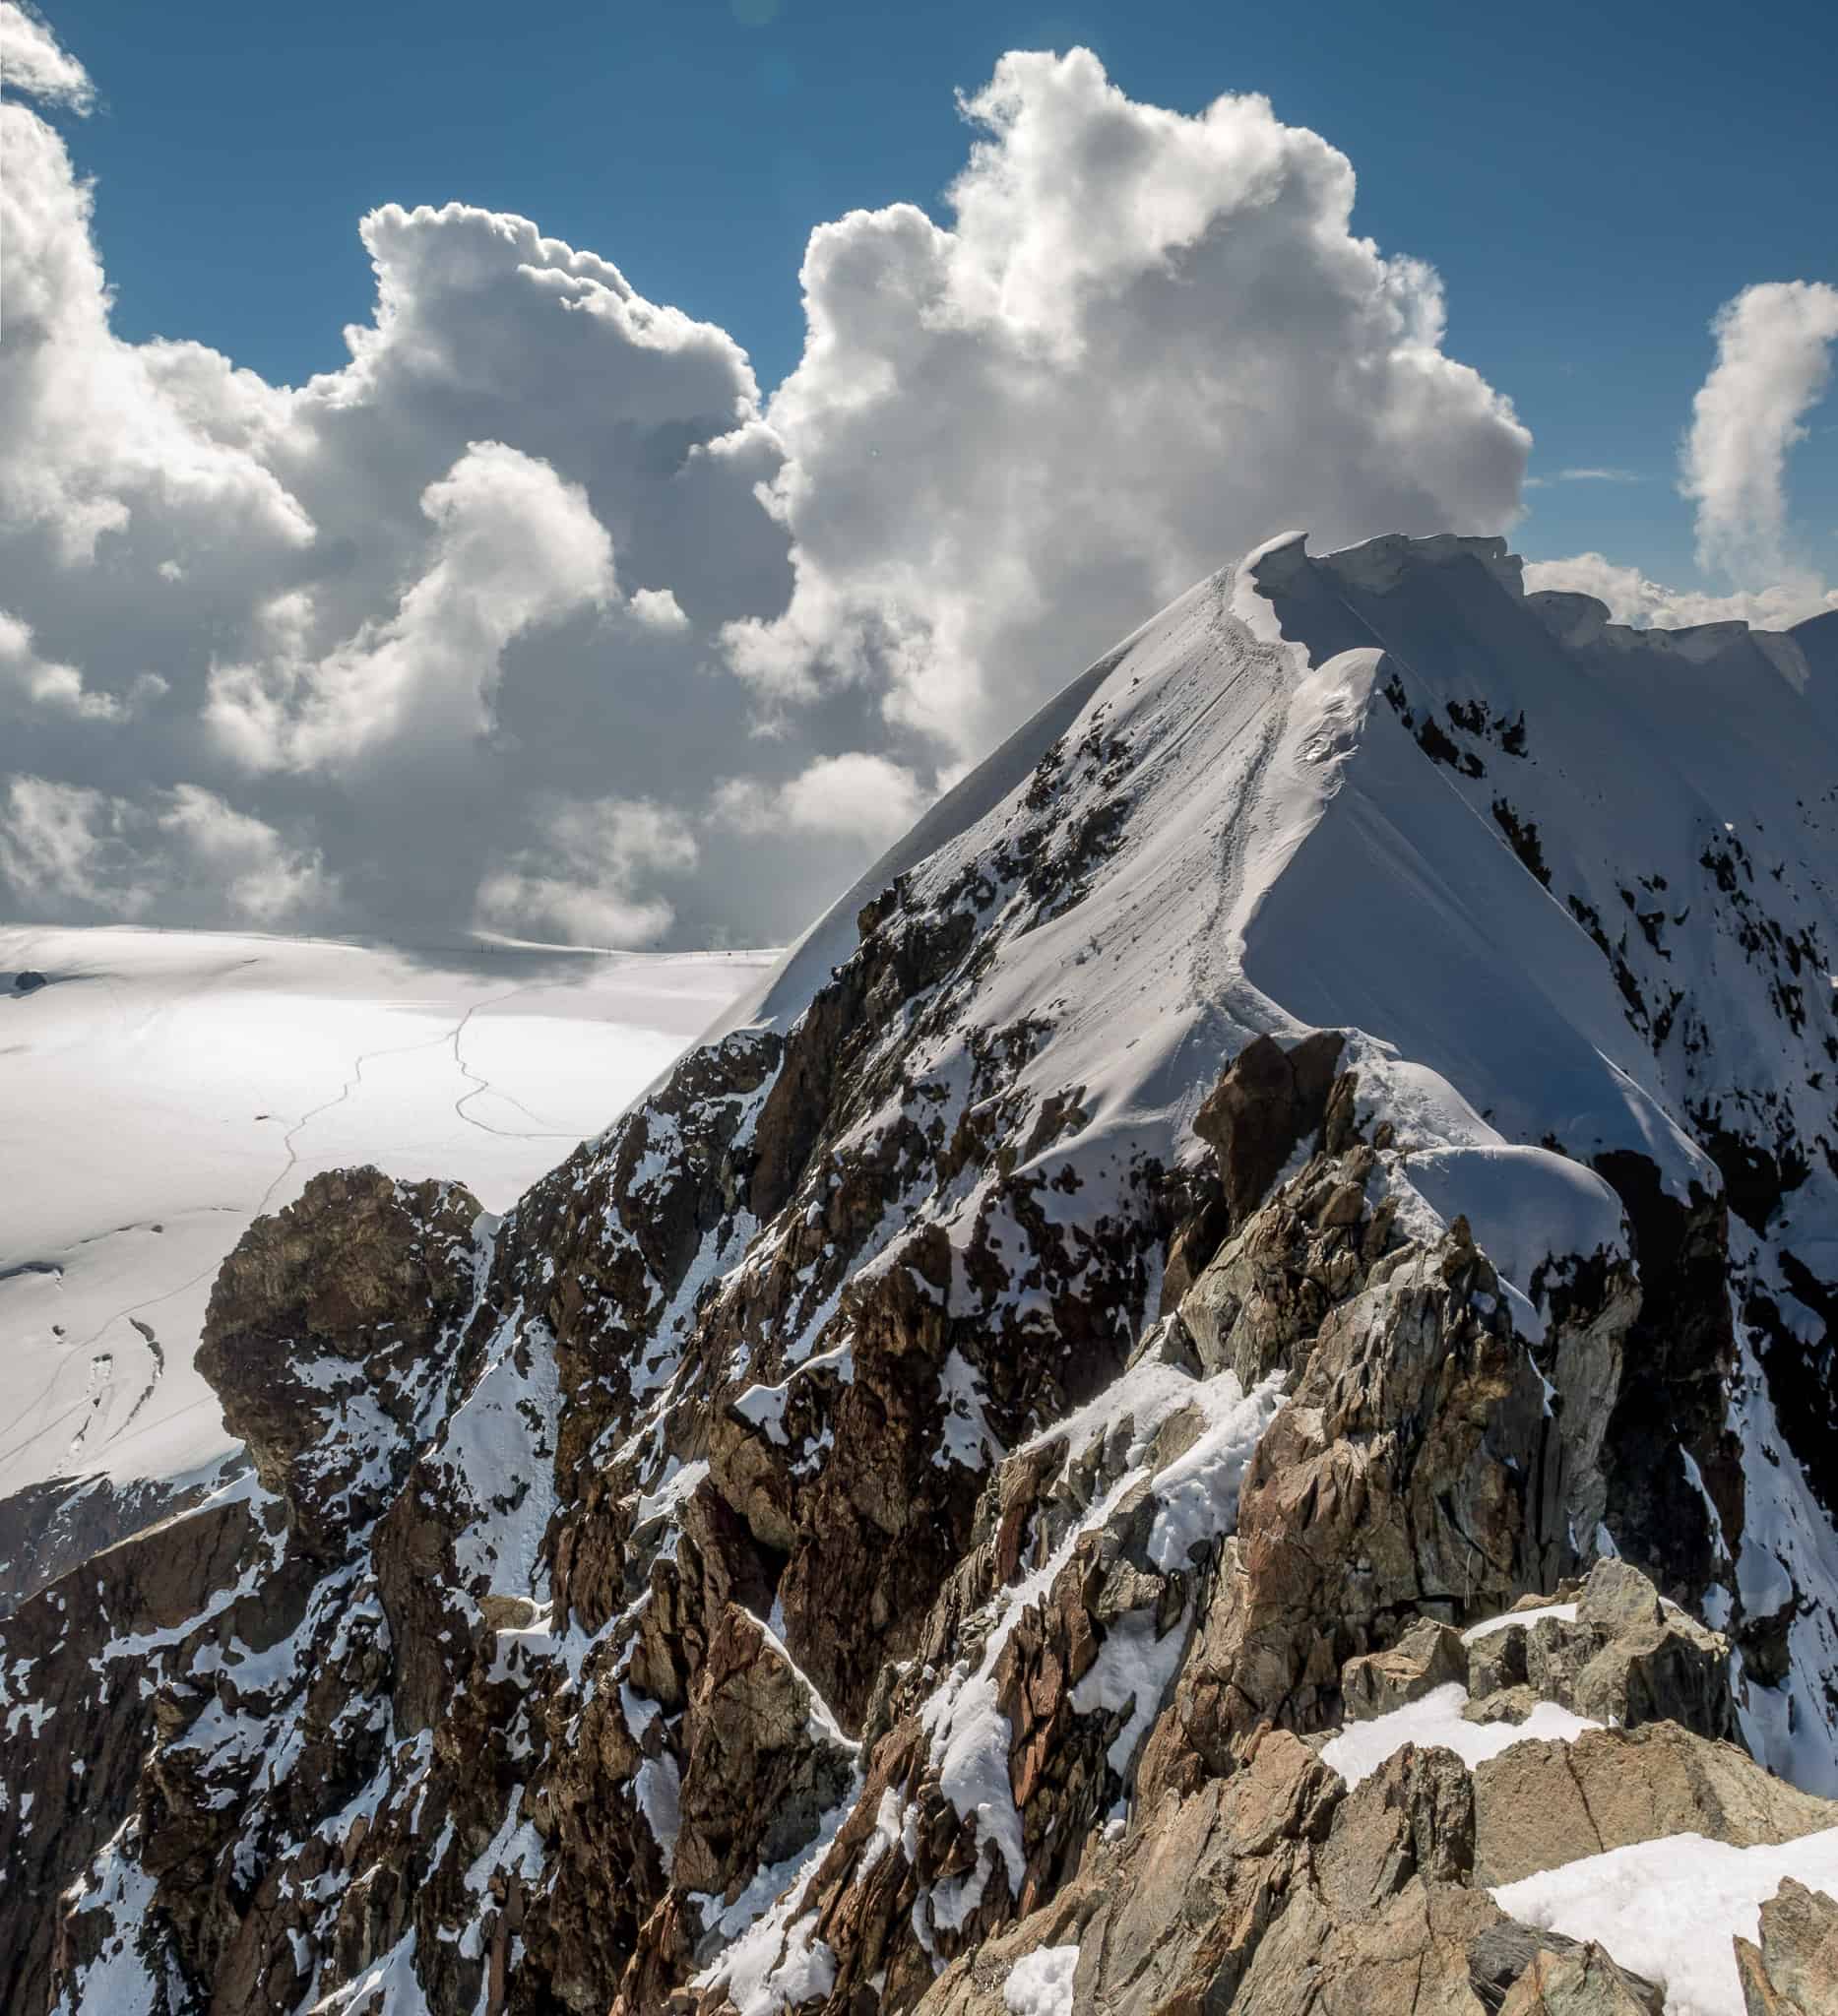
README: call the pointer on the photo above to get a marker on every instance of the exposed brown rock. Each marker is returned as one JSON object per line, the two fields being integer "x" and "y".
{"x": 1539, "y": 1804}
{"x": 1268, "y": 1101}
{"x": 1584, "y": 1981}
{"x": 1627, "y": 1659}
{"x": 338, "y": 1298}
{"x": 1388, "y": 1484}
{"x": 1428, "y": 1656}
{"x": 790, "y": 1343}
{"x": 761, "y": 1772}
{"x": 76, "y": 1641}
{"x": 1794, "y": 1972}
{"x": 1267, "y": 1291}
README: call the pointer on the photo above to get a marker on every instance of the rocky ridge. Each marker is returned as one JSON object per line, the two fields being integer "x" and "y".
{"x": 1153, "y": 1272}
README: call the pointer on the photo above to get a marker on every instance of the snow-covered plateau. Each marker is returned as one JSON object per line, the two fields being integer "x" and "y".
{"x": 1217, "y": 1394}
{"x": 159, "y": 1088}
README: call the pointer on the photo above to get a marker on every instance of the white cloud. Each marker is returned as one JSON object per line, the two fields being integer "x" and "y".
{"x": 1146, "y": 341}
{"x": 263, "y": 880}
{"x": 526, "y": 615}
{"x": 159, "y": 441}
{"x": 32, "y": 62}
{"x": 1632, "y": 598}
{"x": 514, "y": 547}
{"x": 61, "y": 841}
{"x": 855, "y": 796}
{"x": 70, "y": 849}
{"x": 1774, "y": 344}
{"x": 659, "y": 610}
{"x": 581, "y": 880}
{"x": 27, "y": 680}
{"x": 1774, "y": 347}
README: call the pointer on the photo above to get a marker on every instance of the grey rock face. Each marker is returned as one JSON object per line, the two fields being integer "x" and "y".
{"x": 1429, "y": 1655}
{"x": 1628, "y": 1659}
{"x": 1794, "y": 1972}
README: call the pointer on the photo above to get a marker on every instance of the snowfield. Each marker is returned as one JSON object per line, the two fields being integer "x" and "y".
{"x": 164, "y": 1087}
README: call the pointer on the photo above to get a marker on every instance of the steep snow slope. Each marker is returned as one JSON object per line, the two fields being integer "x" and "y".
{"x": 774, "y": 1556}
{"x": 165, "y": 1086}
{"x": 1659, "y": 977}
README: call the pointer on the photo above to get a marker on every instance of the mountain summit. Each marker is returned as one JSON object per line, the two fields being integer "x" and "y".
{"x": 1217, "y": 1393}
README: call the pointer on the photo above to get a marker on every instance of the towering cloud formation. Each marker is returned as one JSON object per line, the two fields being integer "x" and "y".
{"x": 531, "y": 615}
{"x": 1774, "y": 344}
{"x": 1773, "y": 363}
{"x": 1146, "y": 341}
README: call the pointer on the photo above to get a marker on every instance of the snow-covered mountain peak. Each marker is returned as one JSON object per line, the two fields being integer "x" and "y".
{"x": 1239, "y": 1190}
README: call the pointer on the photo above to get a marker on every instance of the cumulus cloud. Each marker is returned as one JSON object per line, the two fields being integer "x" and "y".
{"x": 856, "y": 795}
{"x": 1631, "y": 597}
{"x": 185, "y": 854}
{"x": 1144, "y": 342}
{"x": 514, "y": 547}
{"x": 659, "y": 610}
{"x": 32, "y": 62}
{"x": 528, "y": 615}
{"x": 1773, "y": 366}
{"x": 581, "y": 880}
{"x": 28, "y": 681}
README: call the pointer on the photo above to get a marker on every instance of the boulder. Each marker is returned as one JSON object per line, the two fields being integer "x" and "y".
{"x": 1627, "y": 1659}
{"x": 1508, "y": 1955}
{"x": 1429, "y": 1656}
{"x": 1794, "y": 1972}
{"x": 1540, "y": 1804}
{"x": 1414, "y": 1816}
{"x": 1583, "y": 1982}
{"x": 1268, "y": 1101}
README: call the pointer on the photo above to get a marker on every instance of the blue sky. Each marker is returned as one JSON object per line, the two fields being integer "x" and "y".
{"x": 1591, "y": 183}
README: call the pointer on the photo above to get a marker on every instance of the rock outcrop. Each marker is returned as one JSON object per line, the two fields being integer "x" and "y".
{"x": 1277, "y": 1888}
{"x": 1609, "y": 1648}
{"x": 1539, "y": 1804}
{"x": 1794, "y": 1972}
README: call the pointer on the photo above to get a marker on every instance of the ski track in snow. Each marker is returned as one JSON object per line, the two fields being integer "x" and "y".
{"x": 144, "y": 1000}
{"x": 133, "y": 1311}
{"x": 482, "y": 1085}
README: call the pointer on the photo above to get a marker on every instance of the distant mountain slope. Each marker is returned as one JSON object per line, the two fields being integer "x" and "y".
{"x": 1329, "y": 1136}
{"x": 161, "y": 1087}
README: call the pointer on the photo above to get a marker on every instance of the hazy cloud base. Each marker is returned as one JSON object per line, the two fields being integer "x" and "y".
{"x": 530, "y": 617}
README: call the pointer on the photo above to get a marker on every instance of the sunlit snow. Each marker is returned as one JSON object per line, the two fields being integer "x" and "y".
{"x": 165, "y": 1086}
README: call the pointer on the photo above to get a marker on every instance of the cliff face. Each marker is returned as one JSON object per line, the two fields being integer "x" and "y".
{"x": 1331, "y": 1133}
